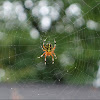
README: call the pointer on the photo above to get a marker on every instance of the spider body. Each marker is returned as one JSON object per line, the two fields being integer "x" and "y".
{"x": 49, "y": 47}
{"x": 49, "y": 51}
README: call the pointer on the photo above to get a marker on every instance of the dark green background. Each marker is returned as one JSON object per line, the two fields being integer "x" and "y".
{"x": 23, "y": 64}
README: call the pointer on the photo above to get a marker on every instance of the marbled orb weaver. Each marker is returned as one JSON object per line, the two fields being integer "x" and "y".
{"x": 49, "y": 51}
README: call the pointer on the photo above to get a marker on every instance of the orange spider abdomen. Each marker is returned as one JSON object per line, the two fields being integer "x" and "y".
{"x": 48, "y": 53}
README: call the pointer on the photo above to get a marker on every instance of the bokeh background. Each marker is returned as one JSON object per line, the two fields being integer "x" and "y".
{"x": 74, "y": 24}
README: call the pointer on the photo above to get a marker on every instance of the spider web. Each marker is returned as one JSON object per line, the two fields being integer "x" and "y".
{"x": 76, "y": 31}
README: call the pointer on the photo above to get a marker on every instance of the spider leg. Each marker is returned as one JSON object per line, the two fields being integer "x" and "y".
{"x": 41, "y": 55}
{"x": 45, "y": 59}
{"x": 43, "y": 43}
{"x": 55, "y": 55}
{"x": 44, "y": 46}
{"x": 42, "y": 49}
{"x": 52, "y": 59}
{"x": 54, "y": 44}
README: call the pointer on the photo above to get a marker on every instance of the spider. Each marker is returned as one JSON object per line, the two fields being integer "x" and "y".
{"x": 49, "y": 51}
